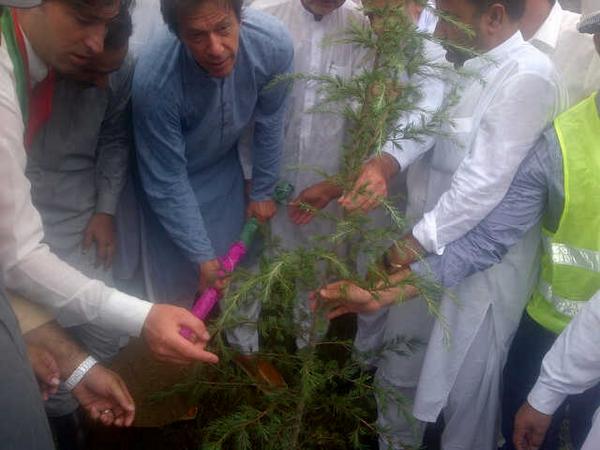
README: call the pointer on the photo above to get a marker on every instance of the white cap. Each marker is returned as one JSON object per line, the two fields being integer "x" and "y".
{"x": 590, "y": 17}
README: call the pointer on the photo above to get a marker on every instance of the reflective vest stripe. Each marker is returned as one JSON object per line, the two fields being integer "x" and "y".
{"x": 563, "y": 305}
{"x": 572, "y": 256}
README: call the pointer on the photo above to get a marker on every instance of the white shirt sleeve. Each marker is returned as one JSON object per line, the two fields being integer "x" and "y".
{"x": 431, "y": 85}
{"x": 573, "y": 363}
{"x": 509, "y": 128}
{"x": 26, "y": 265}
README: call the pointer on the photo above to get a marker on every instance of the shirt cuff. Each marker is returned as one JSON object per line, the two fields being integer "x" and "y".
{"x": 425, "y": 231}
{"x": 545, "y": 399}
{"x": 107, "y": 203}
{"x": 405, "y": 155}
{"x": 125, "y": 313}
{"x": 429, "y": 269}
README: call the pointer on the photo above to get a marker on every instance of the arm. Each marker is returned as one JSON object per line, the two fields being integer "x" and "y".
{"x": 269, "y": 117}
{"x": 112, "y": 161}
{"x": 398, "y": 155}
{"x": 162, "y": 166}
{"x": 115, "y": 140}
{"x": 432, "y": 88}
{"x": 487, "y": 243}
{"x": 28, "y": 268}
{"x": 573, "y": 363}
{"x": 26, "y": 265}
{"x": 53, "y": 353}
{"x": 570, "y": 367}
{"x": 508, "y": 130}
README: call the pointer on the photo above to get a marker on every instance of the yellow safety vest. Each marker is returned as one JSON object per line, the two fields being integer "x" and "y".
{"x": 570, "y": 273}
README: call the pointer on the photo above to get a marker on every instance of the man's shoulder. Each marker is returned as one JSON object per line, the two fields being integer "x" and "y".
{"x": 266, "y": 35}
{"x": 156, "y": 65}
{"x": 531, "y": 60}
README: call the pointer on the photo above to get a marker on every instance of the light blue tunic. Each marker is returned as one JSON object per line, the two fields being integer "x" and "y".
{"x": 186, "y": 126}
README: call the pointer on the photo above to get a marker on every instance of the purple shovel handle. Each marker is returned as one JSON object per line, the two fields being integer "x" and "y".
{"x": 203, "y": 305}
{"x": 209, "y": 298}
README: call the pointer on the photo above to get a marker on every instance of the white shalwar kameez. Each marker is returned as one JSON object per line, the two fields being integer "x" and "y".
{"x": 410, "y": 320}
{"x": 313, "y": 140}
{"x": 498, "y": 118}
{"x": 573, "y": 53}
{"x": 571, "y": 367}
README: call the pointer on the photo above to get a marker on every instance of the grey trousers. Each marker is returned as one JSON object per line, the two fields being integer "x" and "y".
{"x": 23, "y": 424}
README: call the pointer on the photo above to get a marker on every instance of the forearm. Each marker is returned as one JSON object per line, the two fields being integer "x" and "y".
{"x": 266, "y": 157}
{"x": 487, "y": 243}
{"x": 115, "y": 142}
{"x": 485, "y": 175}
{"x": 28, "y": 268}
{"x": 111, "y": 175}
{"x": 408, "y": 148}
{"x": 52, "y": 338}
{"x": 269, "y": 120}
{"x": 46, "y": 280}
{"x": 573, "y": 363}
{"x": 181, "y": 218}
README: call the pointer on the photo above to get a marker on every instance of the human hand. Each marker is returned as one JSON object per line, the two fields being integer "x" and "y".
{"x": 103, "y": 396}
{"x": 316, "y": 197}
{"x": 162, "y": 334}
{"x": 404, "y": 252}
{"x": 263, "y": 210}
{"x": 45, "y": 369}
{"x": 101, "y": 230}
{"x": 345, "y": 297}
{"x": 371, "y": 187}
{"x": 530, "y": 428}
{"x": 212, "y": 275}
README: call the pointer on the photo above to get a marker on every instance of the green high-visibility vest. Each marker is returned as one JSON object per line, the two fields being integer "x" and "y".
{"x": 570, "y": 273}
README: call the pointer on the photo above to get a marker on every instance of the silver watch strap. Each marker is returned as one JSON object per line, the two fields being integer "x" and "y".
{"x": 80, "y": 372}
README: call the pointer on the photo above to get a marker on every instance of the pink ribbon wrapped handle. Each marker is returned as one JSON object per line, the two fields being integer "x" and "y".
{"x": 209, "y": 298}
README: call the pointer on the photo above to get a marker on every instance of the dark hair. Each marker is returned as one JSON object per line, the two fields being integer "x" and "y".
{"x": 78, "y": 4}
{"x": 172, "y": 10}
{"x": 514, "y": 8}
{"x": 120, "y": 28}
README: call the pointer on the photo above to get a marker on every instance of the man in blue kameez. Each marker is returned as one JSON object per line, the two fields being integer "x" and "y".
{"x": 195, "y": 90}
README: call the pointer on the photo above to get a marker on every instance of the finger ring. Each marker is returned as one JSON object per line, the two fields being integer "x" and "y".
{"x": 107, "y": 411}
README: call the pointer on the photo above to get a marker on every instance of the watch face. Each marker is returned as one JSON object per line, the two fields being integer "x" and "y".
{"x": 20, "y": 3}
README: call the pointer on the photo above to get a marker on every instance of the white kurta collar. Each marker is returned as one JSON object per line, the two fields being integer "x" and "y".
{"x": 547, "y": 35}
{"x": 38, "y": 70}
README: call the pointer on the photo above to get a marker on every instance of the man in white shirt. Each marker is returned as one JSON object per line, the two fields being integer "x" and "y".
{"x": 63, "y": 35}
{"x": 53, "y": 355}
{"x": 553, "y": 30}
{"x": 492, "y": 128}
{"x": 571, "y": 367}
{"x": 313, "y": 141}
